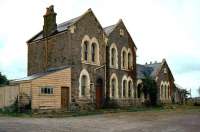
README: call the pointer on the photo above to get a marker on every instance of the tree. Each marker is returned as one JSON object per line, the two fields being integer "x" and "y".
{"x": 150, "y": 88}
{"x": 198, "y": 91}
{"x": 3, "y": 80}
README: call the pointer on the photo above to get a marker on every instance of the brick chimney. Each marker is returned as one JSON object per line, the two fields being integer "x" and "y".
{"x": 50, "y": 25}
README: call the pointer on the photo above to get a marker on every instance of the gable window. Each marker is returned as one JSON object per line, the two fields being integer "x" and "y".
{"x": 165, "y": 70}
{"x": 113, "y": 56}
{"x": 47, "y": 90}
{"x": 129, "y": 61}
{"x": 124, "y": 59}
{"x": 85, "y": 48}
{"x": 121, "y": 32}
{"x": 93, "y": 52}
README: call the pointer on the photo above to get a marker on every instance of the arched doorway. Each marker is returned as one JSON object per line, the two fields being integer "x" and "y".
{"x": 99, "y": 93}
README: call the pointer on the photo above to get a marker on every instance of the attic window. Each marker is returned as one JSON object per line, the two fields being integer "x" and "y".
{"x": 121, "y": 32}
{"x": 165, "y": 70}
{"x": 72, "y": 29}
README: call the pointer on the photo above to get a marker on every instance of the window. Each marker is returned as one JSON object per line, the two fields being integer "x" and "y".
{"x": 93, "y": 52}
{"x": 165, "y": 70}
{"x": 165, "y": 91}
{"x": 129, "y": 89}
{"x": 124, "y": 88}
{"x": 113, "y": 87}
{"x": 129, "y": 61}
{"x": 130, "y": 58}
{"x": 83, "y": 85}
{"x": 85, "y": 50}
{"x": 46, "y": 90}
{"x": 121, "y": 32}
{"x": 161, "y": 91}
{"x": 113, "y": 57}
{"x": 124, "y": 59}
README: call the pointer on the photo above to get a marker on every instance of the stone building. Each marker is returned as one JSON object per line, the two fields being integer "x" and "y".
{"x": 163, "y": 77}
{"x": 102, "y": 60}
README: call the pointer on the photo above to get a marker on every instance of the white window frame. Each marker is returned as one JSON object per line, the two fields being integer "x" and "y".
{"x": 113, "y": 45}
{"x": 116, "y": 94}
{"x": 87, "y": 90}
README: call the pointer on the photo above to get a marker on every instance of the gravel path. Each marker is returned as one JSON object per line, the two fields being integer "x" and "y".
{"x": 118, "y": 122}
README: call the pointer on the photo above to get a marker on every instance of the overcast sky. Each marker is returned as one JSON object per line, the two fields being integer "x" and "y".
{"x": 160, "y": 29}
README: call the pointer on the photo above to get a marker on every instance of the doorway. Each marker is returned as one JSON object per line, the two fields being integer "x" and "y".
{"x": 64, "y": 97}
{"x": 99, "y": 93}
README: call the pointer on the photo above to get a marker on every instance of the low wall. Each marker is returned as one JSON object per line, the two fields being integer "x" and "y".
{"x": 8, "y": 95}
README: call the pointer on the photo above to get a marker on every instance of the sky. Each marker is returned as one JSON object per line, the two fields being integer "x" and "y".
{"x": 167, "y": 29}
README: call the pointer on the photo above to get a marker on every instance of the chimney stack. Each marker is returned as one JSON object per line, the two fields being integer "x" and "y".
{"x": 50, "y": 25}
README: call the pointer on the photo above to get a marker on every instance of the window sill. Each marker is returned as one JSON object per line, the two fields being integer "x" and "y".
{"x": 114, "y": 67}
{"x": 46, "y": 94}
{"x": 89, "y": 63}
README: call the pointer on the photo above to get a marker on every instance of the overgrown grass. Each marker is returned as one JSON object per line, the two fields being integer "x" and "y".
{"x": 4, "y": 112}
{"x": 53, "y": 114}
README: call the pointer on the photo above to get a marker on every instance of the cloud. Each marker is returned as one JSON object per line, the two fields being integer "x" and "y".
{"x": 160, "y": 29}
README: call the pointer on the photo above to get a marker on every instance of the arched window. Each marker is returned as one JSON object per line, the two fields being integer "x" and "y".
{"x": 129, "y": 61}
{"x": 124, "y": 88}
{"x": 94, "y": 51}
{"x": 165, "y": 91}
{"x": 129, "y": 89}
{"x": 124, "y": 59}
{"x": 168, "y": 90}
{"x": 113, "y": 56}
{"x": 93, "y": 48}
{"x": 85, "y": 50}
{"x": 84, "y": 83}
{"x": 114, "y": 86}
{"x": 161, "y": 91}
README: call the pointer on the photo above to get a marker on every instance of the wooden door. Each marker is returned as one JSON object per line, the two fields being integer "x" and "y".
{"x": 99, "y": 93}
{"x": 64, "y": 97}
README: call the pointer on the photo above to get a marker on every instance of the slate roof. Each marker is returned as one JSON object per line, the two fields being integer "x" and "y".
{"x": 109, "y": 29}
{"x": 148, "y": 70}
{"x": 60, "y": 28}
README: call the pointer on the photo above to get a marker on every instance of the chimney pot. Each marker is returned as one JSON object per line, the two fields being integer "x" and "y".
{"x": 50, "y": 25}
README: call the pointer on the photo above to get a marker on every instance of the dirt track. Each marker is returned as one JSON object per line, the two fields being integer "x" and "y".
{"x": 118, "y": 122}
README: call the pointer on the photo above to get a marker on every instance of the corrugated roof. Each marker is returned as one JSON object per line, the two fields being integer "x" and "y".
{"x": 38, "y": 75}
